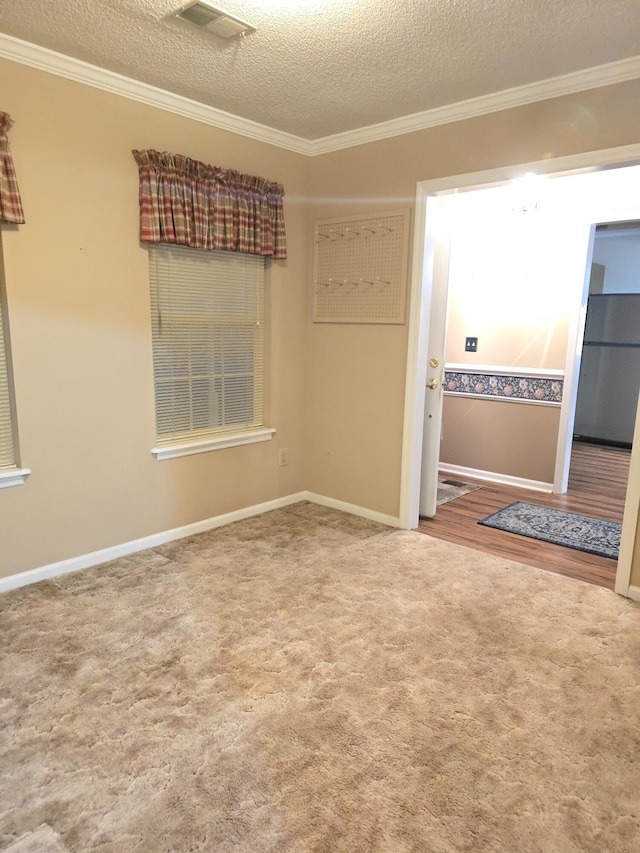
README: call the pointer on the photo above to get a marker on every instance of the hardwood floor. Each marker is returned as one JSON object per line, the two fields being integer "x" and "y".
{"x": 597, "y": 486}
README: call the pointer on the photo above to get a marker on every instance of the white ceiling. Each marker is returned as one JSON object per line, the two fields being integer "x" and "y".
{"x": 320, "y": 67}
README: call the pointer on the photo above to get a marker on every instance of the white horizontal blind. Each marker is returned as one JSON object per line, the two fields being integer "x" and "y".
{"x": 208, "y": 343}
{"x": 7, "y": 449}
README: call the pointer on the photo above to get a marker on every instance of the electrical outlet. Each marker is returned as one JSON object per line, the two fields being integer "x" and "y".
{"x": 283, "y": 456}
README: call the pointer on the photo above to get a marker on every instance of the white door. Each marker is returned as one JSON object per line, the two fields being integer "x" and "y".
{"x": 437, "y": 246}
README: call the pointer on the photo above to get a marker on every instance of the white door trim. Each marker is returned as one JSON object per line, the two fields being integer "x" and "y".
{"x": 416, "y": 377}
{"x": 573, "y": 360}
{"x": 422, "y": 280}
{"x": 630, "y": 518}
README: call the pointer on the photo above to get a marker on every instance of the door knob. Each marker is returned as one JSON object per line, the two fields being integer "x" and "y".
{"x": 433, "y": 384}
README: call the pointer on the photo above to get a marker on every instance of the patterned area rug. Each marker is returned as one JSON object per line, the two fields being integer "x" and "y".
{"x": 561, "y": 528}
{"x": 450, "y": 489}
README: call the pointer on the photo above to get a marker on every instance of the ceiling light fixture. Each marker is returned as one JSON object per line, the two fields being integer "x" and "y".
{"x": 214, "y": 20}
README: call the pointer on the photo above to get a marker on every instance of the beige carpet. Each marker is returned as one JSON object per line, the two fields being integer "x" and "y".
{"x": 309, "y": 681}
{"x": 41, "y": 840}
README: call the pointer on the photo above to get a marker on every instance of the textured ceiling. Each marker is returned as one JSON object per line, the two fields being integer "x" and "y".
{"x": 319, "y": 67}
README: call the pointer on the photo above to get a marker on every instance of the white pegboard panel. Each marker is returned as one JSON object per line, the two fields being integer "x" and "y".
{"x": 360, "y": 268}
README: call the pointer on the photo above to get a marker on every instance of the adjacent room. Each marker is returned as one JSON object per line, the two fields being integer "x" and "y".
{"x": 223, "y": 240}
{"x": 528, "y": 263}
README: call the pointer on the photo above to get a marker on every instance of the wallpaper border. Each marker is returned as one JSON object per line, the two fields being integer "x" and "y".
{"x": 506, "y": 385}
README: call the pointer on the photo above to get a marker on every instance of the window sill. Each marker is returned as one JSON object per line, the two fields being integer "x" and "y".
{"x": 188, "y": 449}
{"x": 13, "y": 477}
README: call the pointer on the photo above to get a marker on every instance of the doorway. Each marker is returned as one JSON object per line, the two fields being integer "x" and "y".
{"x": 430, "y": 271}
{"x": 609, "y": 379}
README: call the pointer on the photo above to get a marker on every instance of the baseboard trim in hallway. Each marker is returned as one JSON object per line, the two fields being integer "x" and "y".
{"x": 491, "y": 477}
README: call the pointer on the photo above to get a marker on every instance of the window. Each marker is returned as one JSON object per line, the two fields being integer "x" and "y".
{"x": 10, "y": 474}
{"x": 7, "y": 455}
{"x": 208, "y": 333}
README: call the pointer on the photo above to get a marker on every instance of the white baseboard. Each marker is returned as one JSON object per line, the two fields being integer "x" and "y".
{"x": 634, "y": 593}
{"x": 503, "y": 479}
{"x": 94, "y": 558}
{"x": 354, "y": 509}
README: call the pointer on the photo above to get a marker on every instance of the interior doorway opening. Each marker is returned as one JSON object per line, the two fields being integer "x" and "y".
{"x": 609, "y": 379}
{"x": 431, "y": 269}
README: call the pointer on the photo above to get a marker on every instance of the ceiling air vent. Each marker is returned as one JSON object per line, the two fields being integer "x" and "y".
{"x": 214, "y": 20}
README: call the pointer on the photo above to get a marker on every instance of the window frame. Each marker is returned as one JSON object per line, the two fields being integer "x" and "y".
{"x": 10, "y": 474}
{"x": 187, "y": 443}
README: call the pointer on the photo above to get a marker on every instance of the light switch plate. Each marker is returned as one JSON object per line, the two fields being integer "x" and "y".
{"x": 471, "y": 345}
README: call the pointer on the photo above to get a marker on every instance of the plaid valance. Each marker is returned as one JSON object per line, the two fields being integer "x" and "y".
{"x": 205, "y": 207}
{"x": 10, "y": 204}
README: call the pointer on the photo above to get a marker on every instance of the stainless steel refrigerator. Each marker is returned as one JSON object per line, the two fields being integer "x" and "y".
{"x": 610, "y": 369}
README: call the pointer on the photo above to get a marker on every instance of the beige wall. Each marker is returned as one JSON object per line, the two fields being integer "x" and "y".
{"x": 517, "y": 439}
{"x": 508, "y": 277}
{"x": 512, "y": 286}
{"x": 345, "y": 369}
{"x": 514, "y": 439}
{"x": 79, "y": 312}
{"x": 78, "y": 292}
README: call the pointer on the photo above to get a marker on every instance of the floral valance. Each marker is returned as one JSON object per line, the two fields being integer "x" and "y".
{"x": 10, "y": 204}
{"x": 190, "y": 203}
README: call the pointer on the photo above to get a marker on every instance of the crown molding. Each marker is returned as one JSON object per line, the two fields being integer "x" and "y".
{"x": 108, "y": 81}
{"x": 554, "y": 87}
{"x": 82, "y": 72}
